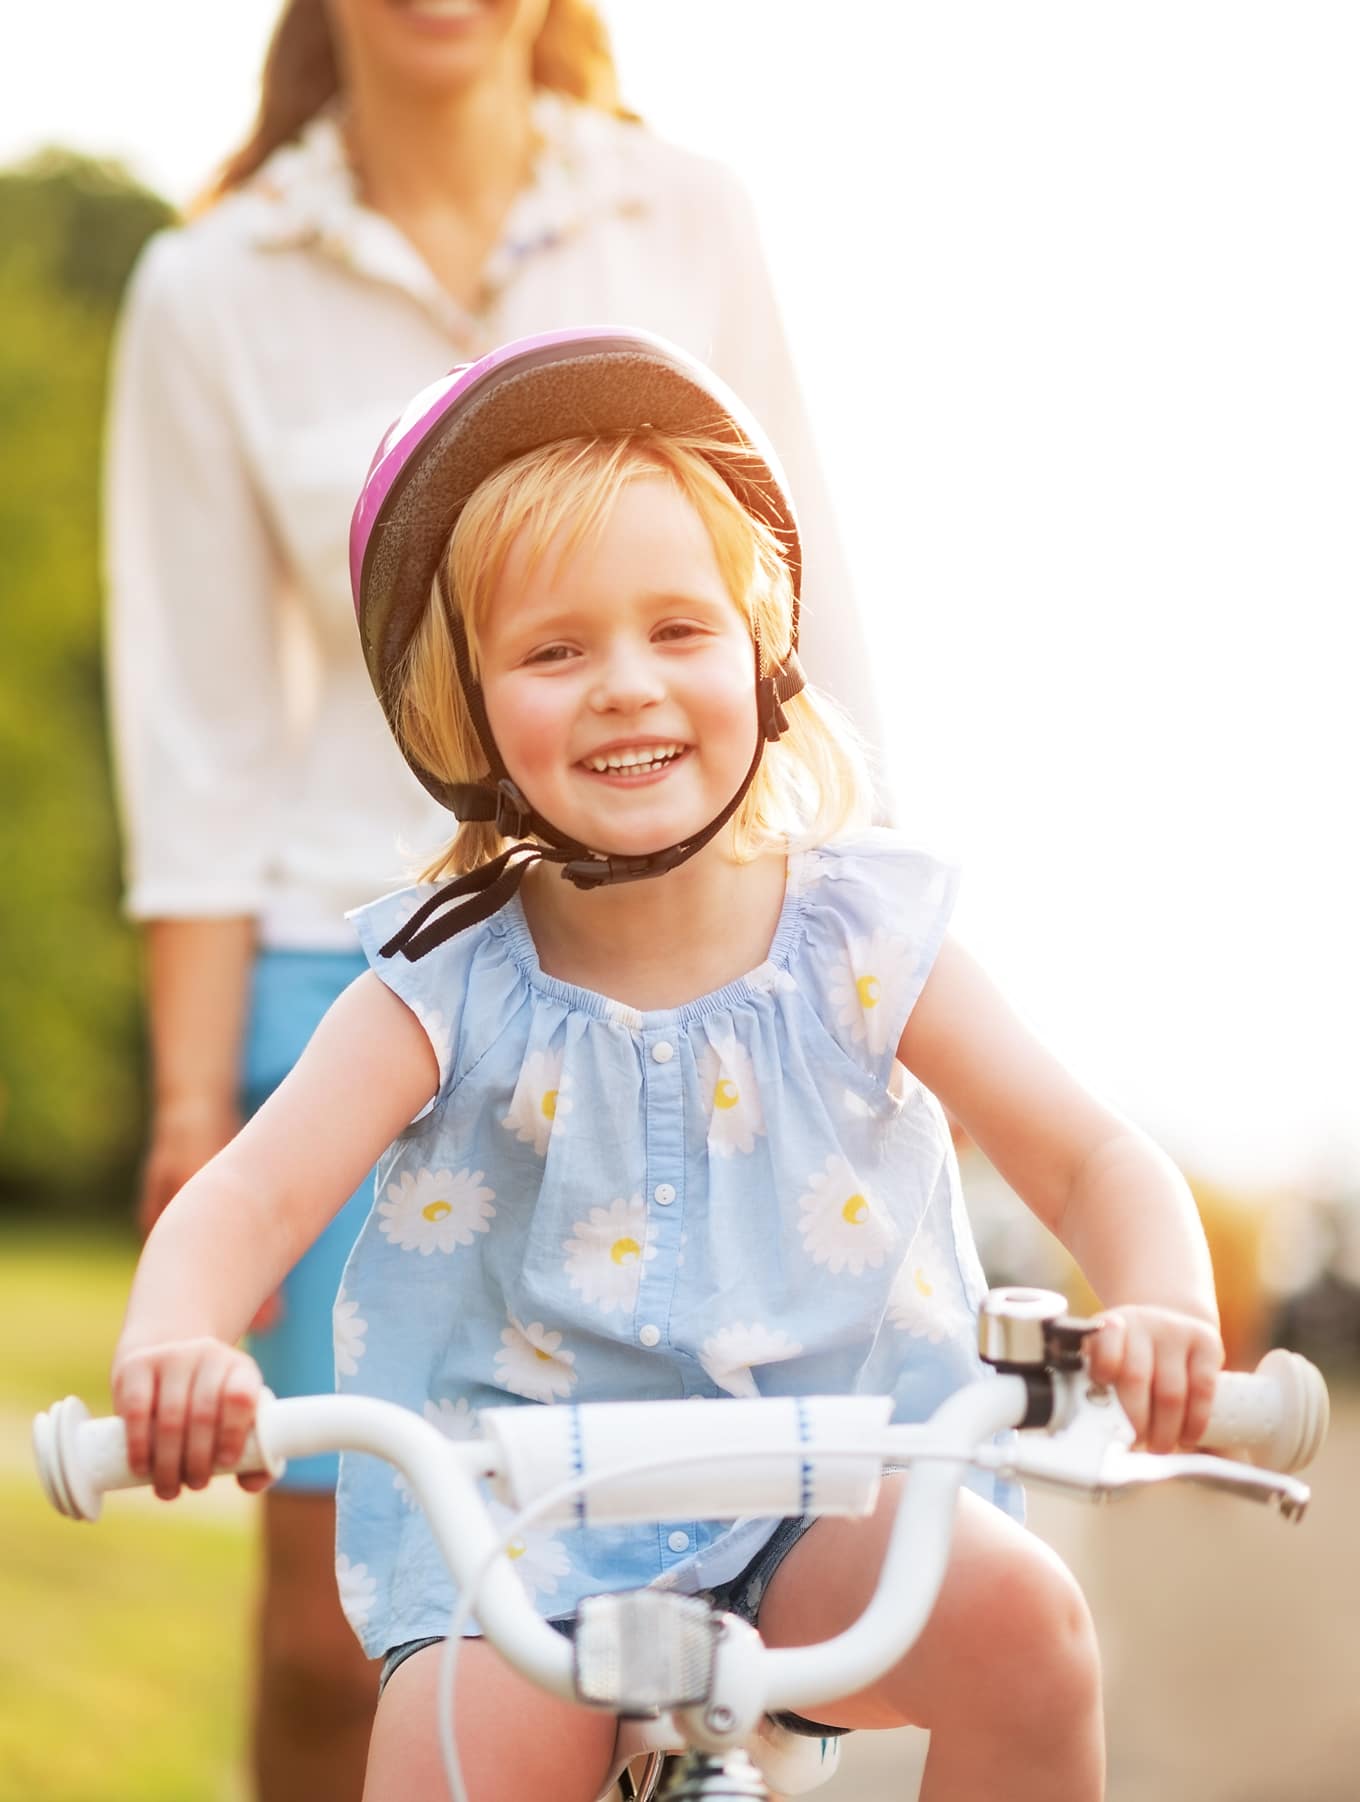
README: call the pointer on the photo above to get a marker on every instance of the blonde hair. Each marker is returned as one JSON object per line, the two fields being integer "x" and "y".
{"x": 810, "y": 785}
{"x": 301, "y": 74}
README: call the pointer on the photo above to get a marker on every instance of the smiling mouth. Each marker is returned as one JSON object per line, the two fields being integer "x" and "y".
{"x": 634, "y": 761}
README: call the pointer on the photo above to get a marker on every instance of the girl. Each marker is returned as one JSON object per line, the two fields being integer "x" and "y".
{"x": 424, "y": 181}
{"x": 668, "y": 1127}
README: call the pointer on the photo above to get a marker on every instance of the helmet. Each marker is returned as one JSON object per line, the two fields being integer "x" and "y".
{"x": 453, "y": 435}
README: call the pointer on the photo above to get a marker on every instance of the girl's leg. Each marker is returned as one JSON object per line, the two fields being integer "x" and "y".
{"x": 514, "y": 1742}
{"x": 1006, "y": 1674}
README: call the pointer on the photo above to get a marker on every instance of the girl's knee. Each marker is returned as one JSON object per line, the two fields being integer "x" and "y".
{"x": 1044, "y": 1650}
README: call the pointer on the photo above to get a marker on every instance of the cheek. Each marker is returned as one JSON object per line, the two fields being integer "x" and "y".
{"x": 529, "y": 721}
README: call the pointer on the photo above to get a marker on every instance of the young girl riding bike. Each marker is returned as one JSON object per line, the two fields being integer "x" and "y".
{"x": 671, "y": 1126}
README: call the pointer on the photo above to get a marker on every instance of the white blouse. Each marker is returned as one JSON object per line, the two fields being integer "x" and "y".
{"x": 263, "y": 351}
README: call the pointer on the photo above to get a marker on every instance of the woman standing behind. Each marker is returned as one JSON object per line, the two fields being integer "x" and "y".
{"x": 426, "y": 179}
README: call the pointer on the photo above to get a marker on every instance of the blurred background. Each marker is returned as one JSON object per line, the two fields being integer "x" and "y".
{"x": 1073, "y": 294}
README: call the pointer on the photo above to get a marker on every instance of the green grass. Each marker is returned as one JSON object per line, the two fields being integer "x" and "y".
{"x": 122, "y": 1661}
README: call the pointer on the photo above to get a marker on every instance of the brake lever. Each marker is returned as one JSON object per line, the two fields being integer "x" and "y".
{"x": 1089, "y": 1451}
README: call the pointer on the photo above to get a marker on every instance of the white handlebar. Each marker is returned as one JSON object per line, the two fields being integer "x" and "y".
{"x": 1276, "y": 1417}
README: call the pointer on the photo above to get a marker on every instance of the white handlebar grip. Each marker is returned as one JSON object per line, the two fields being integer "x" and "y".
{"x": 79, "y": 1459}
{"x": 1275, "y": 1417}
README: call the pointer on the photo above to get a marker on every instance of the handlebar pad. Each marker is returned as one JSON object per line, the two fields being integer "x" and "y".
{"x": 1275, "y": 1417}
{"x": 541, "y": 1448}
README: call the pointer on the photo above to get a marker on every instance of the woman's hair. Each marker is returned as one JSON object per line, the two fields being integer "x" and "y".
{"x": 301, "y": 73}
{"x": 810, "y": 785}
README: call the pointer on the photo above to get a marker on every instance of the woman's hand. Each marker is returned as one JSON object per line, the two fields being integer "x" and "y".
{"x": 188, "y": 1406}
{"x": 1163, "y": 1365}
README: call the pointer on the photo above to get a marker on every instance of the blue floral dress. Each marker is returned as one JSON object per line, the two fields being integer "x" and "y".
{"x": 743, "y": 1196}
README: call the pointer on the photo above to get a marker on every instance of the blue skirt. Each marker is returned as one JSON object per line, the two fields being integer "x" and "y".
{"x": 290, "y": 991}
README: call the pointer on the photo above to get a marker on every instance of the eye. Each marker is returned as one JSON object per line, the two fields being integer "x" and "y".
{"x": 676, "y": 630}
{"x": 550, "y": 653}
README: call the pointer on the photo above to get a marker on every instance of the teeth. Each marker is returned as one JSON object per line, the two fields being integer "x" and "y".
{"x": 640, "y": 759}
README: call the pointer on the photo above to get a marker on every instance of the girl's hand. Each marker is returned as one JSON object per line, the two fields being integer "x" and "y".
{"x": 188, "y": 1406}
{"x": 1164, "y": 1365}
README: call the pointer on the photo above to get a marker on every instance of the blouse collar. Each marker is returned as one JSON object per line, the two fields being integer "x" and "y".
{"x": 306, "y": 196}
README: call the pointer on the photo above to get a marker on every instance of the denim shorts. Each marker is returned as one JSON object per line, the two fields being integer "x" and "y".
{"x": 741, "y": 1596}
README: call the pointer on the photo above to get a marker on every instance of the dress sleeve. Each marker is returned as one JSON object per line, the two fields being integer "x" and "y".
{"x": 463, "y": 992}
{"x": 195, "y": 688}
{"x": 874, "y": 916}
{"x": 751, "y": 353}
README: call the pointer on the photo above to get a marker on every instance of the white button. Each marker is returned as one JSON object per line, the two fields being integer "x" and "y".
{"x": 650, "y": 1335}
{"x": 678, "y": 1542}
{"x": 663, "y": 1194}
{"x": 663, "y": 1051}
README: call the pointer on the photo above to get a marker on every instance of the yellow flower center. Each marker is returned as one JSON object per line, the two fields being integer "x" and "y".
{"x": 516, "y": 1548}
{"x": 855, "y": 1211}
{"x": 542, "y": 1356}
{"x": 624, "y": 1249}
{"x": 726, "y": 1094}
{"x": 549, "y": 1104}
{"x": 922, "y": 1281}
{"x": 867, "y": 990}
{"x": 436, "y": 1210}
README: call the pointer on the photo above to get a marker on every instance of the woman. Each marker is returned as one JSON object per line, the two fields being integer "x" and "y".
{"x": 426, "y": 178}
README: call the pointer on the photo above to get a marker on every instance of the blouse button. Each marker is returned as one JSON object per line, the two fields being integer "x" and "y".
{"x": 649, "y": 1335}
{"x": 678, "y": 1542}
{"x": 663, "y": 1051}
{"x": 663, "y": 1194}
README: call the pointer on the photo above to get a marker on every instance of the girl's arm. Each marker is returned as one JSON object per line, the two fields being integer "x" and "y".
{"x": 234, "y": 1230}
{"x": 1113, "y": 1198}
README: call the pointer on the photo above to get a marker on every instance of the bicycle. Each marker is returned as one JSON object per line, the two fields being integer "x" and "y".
{"x": 693, "y": 1688}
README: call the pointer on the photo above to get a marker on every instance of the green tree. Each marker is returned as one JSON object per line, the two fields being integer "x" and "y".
{"x": 71, "y": 1063}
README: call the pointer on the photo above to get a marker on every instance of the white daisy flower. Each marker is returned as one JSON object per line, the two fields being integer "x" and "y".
{"x": 872, "y": 969}
{"x": 434, "y": 1210}
{"x": 538, "y": 1558}
{"x": 455, "y": 1420}
{"x": 843, "y": 1227}
{"x": 349, "y": 1327}
{"x": 925, "y": 1299}
{"x": 439, "y": 1032}
{"x": 538, "y": 1105}
{"x": 358, "y": 1590}
{"x": 532, "y": 1363}
{"x": 730, "y": 1354}
{"x": 728, "y": 1080}
{"x": 605, "y": 1254}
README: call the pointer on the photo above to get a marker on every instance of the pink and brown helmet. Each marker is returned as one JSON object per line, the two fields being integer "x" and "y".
{"x": 597, "y": 380}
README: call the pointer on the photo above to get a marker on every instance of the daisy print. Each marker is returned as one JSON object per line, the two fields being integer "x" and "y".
{"x": 728, "y": 1080}
{"x": 533, "y": 1363}
{"x": 605, "y": 1254}
{"x": 842, "y": 1226}
{"x": 358, "y": 1591}
{"x": 349, "y": 1327}
{"x": 871, "y": 972}
{"x": 434, "y": 1210}
{"x": 537, "y": 1557}
{"x": 924, "y": 1300}
{"x": 439, "y": 1032}
{"x": 538, "y": 1105}
{"x": 455, "y": 1420}
{"x": 732, "y": 1353}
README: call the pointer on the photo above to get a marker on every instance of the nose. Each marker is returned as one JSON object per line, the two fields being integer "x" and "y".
{"x": 628, "y": 679}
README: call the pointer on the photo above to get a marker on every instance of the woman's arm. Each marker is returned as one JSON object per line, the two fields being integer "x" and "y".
{"x": 1113, "y": 1197}
{"x": 197, "y": 978}
{"x": 235, "y": 1229}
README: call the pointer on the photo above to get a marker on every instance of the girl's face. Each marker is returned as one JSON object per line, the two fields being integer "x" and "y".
{"x": 619, "y": 677}
{"x": 435, "y": 46}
